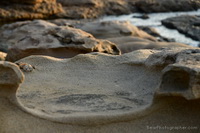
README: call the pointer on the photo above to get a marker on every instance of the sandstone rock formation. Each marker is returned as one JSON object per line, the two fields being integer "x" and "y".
{"x": 188, "y": 25}
{"x": 43, "y": 38}
{"x": 108, "y": 94}
{"x": 12, "y": 10}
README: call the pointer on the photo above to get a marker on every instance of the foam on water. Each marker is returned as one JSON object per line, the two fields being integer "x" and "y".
{"x": 155, "y": 21}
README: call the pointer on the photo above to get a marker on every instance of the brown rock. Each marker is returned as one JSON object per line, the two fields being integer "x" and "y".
{"x": 12, "y": 10}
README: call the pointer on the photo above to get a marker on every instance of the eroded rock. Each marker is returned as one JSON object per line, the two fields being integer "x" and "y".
{"x": 43, "y": 38}
{"x": 109, "y": 29}
{"x": 108, "y": 94}
{"x": 188, "y": 25}
{"x": 12, "y": 10}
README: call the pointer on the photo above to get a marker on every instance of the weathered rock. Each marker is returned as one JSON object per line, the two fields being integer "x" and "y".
{"x": 44, "y": 38}
{"x": 129, "y": 43}
{"x": 127, "y": 36}
{"x": 10, "y": 79}
{"x": 109, "y": 29}
{"x": 108, "y": 94}
{"x": 94, "y": 8}
{"x": 149, "y": 6}
{"x": 2, "y": 56}
{"x": 188, "y": 25}
{"x": 12, "y": 10}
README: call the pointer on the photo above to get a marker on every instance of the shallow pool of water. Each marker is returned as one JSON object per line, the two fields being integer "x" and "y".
{"x": 155, "y": 22}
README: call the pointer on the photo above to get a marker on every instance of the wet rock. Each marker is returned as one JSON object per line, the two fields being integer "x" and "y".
{"x": 144, "y": 16}
{"x": 188, "y": 25}
{"x": 12, "y": 10}
{"x": 153, "y": 32}
{"x": 44, "y": 38}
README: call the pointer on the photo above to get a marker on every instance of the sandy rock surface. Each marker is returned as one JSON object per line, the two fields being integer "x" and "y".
{"x": 137, "y": 92}
{"x": 43, "y": 38}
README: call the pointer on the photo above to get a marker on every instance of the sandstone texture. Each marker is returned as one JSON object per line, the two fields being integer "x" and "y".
{"x": 188, "y": 25}
{"x": 13, "y": 10}
{"x": 43, "y": 38}
{"x": 109, "y": 93}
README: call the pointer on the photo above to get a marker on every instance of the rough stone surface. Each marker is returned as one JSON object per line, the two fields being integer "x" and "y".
{"x": 44, "y": 38}
{"x": 188, "y": 25}
{"x": 12, "y": 10}
{"x": 94, "y": 8}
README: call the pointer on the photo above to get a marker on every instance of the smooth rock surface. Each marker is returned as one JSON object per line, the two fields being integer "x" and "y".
{"x": 129, "y": 43}
{"x": 50, "y": 100}
{"x": 43, "y": 38}
{"x": 109, "y": 29}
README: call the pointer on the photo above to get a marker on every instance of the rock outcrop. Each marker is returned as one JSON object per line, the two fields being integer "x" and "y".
{"x": 12, "y": 10}
{"x": 188, "y": 25}
{"x": 108, "y": 94}
{"x": 149, "y": 6}
{"x": 43, "y": 38}
{"x": 126, "y": 36}
{"x": 93, "y": 8}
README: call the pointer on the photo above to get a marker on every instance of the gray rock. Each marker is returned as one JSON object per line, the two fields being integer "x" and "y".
{"x": 43, "y": 38}
{"x": 188, "y": 25}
